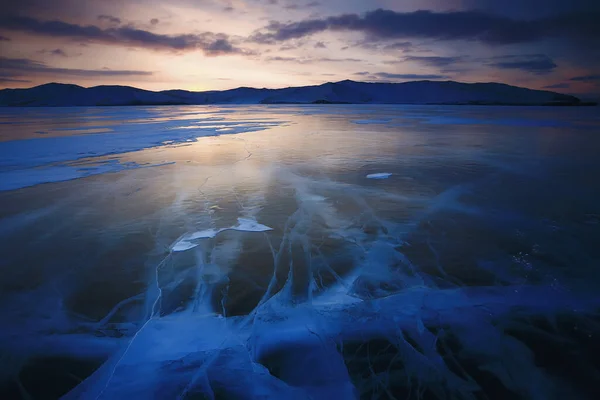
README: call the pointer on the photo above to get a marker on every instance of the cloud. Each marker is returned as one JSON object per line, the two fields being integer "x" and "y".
{"x": 23, "y": 67}
{"x": 586, "y": 78}
{"x": 456, "y": 25}
{"x": 387, "y": 75}
{"x": 286, "y": 59}
{"x": 212, "y": 44}
{"x": 11, "y": 80}
{"x": 55, "y": 52}
{"x": 325, "y": 59}
{"x": 320, "y": 45}
{"x": 535, "y": 63}
{"x": 219, "y": 46}
{"x": 558, "y": 86}
{"x": 109, "y": 18}
{"x": 154, "y": 21}
{"x": 312, "y": 60}
{"x": 404, "y": 46}
{"x": 4, "y": 39}
{"x": 292, "y": 45}
{"x": 228, "y": 9}
{"x": 433, "y": 61}
{"x": 300, "y": 7}
{"x": 58, "y": 52}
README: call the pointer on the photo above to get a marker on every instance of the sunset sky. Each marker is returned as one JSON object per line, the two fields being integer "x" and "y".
{"x": 220, "y": 44}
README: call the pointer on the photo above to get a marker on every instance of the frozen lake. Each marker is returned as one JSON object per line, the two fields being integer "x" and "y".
{"x": 294, "y": 252}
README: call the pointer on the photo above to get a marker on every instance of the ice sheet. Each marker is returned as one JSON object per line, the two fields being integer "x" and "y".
{"x": 462, "y": 282}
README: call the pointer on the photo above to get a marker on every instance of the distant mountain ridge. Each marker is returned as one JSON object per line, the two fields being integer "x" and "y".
{"x": 351, "y": 92}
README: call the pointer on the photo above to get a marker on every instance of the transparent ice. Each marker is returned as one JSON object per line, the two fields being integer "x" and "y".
{"x": 265, "y": 265}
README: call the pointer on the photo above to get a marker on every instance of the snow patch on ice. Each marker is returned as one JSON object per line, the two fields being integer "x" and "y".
{"x": 190, "y": 240}
{"x": 22, "y": 178}
{"x": 380, "y": 175}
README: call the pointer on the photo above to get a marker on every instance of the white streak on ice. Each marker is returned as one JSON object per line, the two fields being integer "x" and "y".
{"x": 249, "y": 225}
{"x": 371, "y": 121}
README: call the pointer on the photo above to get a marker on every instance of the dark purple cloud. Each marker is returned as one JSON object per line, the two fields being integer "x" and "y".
{"x": 109, "y": 18}
{"x": 528, "y": 8}
{"x": 535, "y": 63}
{"x": 586, "y": 78}
{"x": 213, "y": 44}
{"x": 154, "y": 21}
{"x": 387, "y": 75}
{"x": 55, "y": 52}
{"x": 10, "y": 80}
{"x": 404, "y": 46}
{"x": 295, "y": 6}
{"x": 8, "y": 77}
{"x": 312, "y": 60}
{"x": 377, "y": 45}
{"x": 4, "y": 39}
{"x": 58, "y": 52}
{"x": 457, "y": 25}
{"x": 434, "y": 61}
{"x": 23, "y": 67}
{"x": 558, "y": 86}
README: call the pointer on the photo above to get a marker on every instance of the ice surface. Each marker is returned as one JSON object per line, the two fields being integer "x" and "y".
{"x": 379, "y": 175}
{"x": 466, "y": 281}
{"x": 35, "y": 160}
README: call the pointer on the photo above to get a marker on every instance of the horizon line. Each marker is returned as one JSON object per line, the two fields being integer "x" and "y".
{"x": 287, "y": 87}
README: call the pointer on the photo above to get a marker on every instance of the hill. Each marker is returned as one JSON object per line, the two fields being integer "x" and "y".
{"x": 417, "y": 92}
